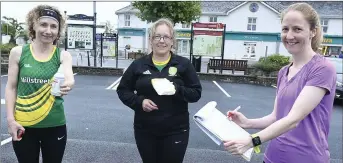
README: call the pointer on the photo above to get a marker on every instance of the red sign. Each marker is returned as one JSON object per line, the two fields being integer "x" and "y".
{"x": 208, "y": 33}
{"x": 209, "y": 25}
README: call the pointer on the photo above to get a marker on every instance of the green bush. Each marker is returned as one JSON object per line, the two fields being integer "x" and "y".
{"x": 272, "y": 63}
{"x": 6, "y": 48}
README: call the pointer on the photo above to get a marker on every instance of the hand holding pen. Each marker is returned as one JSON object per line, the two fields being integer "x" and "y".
{"x": 238, "y": 118}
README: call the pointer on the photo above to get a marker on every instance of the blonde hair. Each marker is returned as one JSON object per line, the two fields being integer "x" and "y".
{"x": 312, "y": 18}
{"x": 33, "y": 16}
{"x": 162, "y": 21}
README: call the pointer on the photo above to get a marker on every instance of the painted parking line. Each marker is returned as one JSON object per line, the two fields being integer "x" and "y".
{"x": 221, "y": 89}
{"x": 114, "y": 85}
{"x": 6, "y": 141}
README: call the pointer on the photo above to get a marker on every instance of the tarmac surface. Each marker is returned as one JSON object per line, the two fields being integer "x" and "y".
{"x": 100, "y": 127}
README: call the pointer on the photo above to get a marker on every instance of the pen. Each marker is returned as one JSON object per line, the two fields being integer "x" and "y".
{"x": 230, "y": 114}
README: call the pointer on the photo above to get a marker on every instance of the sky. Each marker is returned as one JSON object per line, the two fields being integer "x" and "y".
{"x": 105, "y": 10}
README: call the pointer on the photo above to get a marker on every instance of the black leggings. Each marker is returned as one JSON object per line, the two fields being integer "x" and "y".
{"x": 162, "y": 149}
{"x": 51, "y": 140}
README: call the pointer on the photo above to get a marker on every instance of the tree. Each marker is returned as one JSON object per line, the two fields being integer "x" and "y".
{"x": 178, "y": 11}
{"x": 108, "y": 27}
{"x": 13, "y": 28}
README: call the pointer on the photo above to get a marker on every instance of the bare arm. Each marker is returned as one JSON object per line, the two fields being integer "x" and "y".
{"x": 321, "y": 79}
{"x": 66, "y": 60}
{"x": 307, "y": 100}
{"x": 261, "y": 123}
{"x": 11, "y": 86}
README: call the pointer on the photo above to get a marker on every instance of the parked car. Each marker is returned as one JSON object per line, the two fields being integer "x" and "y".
{"x": 338, "y": 62}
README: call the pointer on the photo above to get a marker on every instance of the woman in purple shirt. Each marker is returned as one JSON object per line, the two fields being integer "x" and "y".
{"x": 298, "y": 127}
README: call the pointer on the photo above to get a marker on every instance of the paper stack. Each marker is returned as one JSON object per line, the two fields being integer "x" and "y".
{"x": 218, "y": 127}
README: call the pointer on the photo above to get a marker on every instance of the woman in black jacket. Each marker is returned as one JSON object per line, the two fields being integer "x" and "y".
{"x": 161, "y": 122}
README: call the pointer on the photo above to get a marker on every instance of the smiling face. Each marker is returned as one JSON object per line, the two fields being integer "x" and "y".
{"x": 162, "y": 40}
{"x": 46, "y": 30}
{"x": 296, "y": 34}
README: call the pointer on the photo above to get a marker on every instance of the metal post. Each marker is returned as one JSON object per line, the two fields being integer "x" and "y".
{"x": 66, "y": 35}
{"x": 191, "y": 42}
{"x": 0, "y": 44}
{"x": 101, "y": 47}
{"x": 223, "y": 46}
{"x": 0, "y": 53}
{"x": 94, "y": 33}
{"x": 117, "y": 50}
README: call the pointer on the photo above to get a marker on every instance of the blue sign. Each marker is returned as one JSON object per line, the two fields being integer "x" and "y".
{"x": 131, "y": 32}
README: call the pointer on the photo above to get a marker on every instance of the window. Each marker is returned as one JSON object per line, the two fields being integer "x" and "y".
{"x": 331, "y": 50}
{"x": 127, "y": 20}
{"x": 186, "y": 25}
{"x": 251, "y": 24}
{"x": 213, "y": 19}
{"x": 325, "y": 25}
{"x": 183, "y": 46}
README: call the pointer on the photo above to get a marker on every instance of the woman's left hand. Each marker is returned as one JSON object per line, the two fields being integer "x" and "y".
{"x": 238, "y": 146}
{"x": 64, "y": 89}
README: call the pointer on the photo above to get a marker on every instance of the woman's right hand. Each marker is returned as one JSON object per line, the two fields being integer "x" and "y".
{"x": 13, "y": 128}
{"x": 238, "y": 118}
{"x": 148, "y": 105}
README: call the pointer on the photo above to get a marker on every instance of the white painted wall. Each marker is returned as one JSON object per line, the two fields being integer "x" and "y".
{"x": 267, "y": 20}
{"x": 283, "y": 50}
{"x": 135, "y": 22}
{"x": 335, "y": 27}
{"x": 136, "y": 42}
{"x": 235, "y": 49}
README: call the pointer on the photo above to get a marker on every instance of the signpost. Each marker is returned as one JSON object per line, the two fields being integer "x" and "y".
{"x": 81, "y": 36}
{"x": 108, "y": 46}
{"x": 207, "y": 39}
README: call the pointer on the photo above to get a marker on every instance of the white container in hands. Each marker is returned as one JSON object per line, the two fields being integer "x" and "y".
{"x": 58, "y": 81}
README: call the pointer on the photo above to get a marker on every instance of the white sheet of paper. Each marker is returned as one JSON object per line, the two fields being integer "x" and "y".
{"x": 163, "y": 86}
{"x": 218, "y": 127}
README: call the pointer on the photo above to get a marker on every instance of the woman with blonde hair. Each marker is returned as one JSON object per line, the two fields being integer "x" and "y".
{"x": 298, "y": 127}
{"x": 161, "y": 122}
{"x": 35, "y": 116}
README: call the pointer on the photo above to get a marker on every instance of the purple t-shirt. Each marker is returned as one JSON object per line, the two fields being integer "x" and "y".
{"x": 308, "y": 142}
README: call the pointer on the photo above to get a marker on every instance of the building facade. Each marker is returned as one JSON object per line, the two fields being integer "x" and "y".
{"x": 252, "y": 28}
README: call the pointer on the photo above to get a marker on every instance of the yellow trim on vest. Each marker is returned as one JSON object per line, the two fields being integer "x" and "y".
{"x": 41, "y": 60}
{"x": 257, "y": 148}
{"x": 161, "y": 63}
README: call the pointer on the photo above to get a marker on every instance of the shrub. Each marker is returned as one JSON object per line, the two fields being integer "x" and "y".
{"x": 6, "y": 48}
{"x": 272, "y": 63}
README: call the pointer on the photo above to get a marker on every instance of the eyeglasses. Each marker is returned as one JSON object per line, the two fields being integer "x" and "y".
{"x": 165, "y": 38}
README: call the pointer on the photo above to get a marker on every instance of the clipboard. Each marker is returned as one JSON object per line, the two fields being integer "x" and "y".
{"x": 218, "y": 127}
